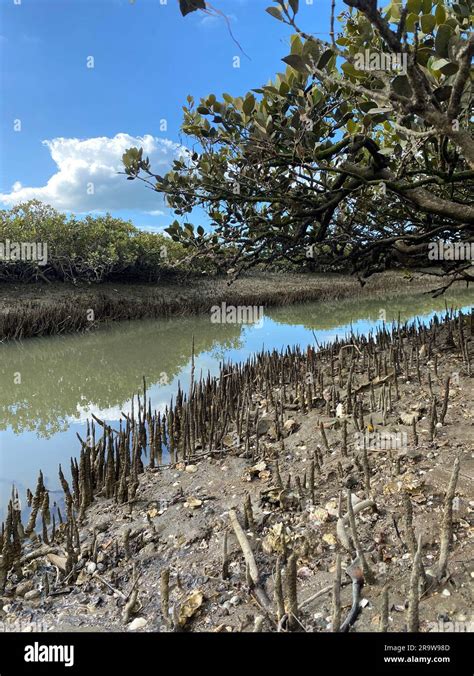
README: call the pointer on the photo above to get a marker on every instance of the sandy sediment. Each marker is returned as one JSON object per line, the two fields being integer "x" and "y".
{"x": 249, "y": 525}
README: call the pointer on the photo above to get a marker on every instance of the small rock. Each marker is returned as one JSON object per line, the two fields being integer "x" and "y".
{"x": 332, "y": 507}
{"x": 304, "y": 572}
{"x": 138, "y": 623}
{"x": 91, "y": 567}
{"x": 24, "y": 587}
{"x": 351, "y": 482}
{"x": 193, "y": 503}
{"x": 329, "y": 539}
{"x": 235, "y": 600}
{"x": 58, "y": 561}
{"x": 192, "y": 469}
{"x": 408, "y": 417}
{"x": 290, "y": 425}
{"x": 412, "y": 453}
{"x": 32, "y": 595}
{"x": 446, "y": 592}
{"x": 319, "y": 515}
{"x": 263, "y": 426}
{"x": 256, "y": 470}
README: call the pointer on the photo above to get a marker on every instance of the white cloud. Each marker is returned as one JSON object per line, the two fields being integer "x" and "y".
{"x": 87, "y": 176}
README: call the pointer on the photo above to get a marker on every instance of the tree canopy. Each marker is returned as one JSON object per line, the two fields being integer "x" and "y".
{"x": 358, "y": 153}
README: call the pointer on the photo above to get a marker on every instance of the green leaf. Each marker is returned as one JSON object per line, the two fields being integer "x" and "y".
{"x": 443, "y": 35}
{"x": 200, "y": 230}
{"x": 461, "y": 9}
{"x": 444, "y": 66}
{"x": 401, "y": 85}
{"x": 440, "y": 14}
{"x": 311, "y": 50}
{"x": 443, "y": 93}
{"x": 365, "y": 106}
{"x": 351, "y": 71}
{"x": 386, "y": 151}
{"x": 352, "y": 126}
{"x": 296, "y": 62}
{"x": 411, "y": 20}
{"x": 423, "y": 55}
{"x": 395, "y": 11}
{"x": 275, "y": 12}
{"x": 294, "y": 4}
{"x": 324, "y": 59}
{"x": 428, "y": 22}
{"x": 414, "y": 6}
{"x": 249, "y": 104}
{"x": 296, "y": 45}
{"x": 202, "y": 110}
{"x": 317, "y": 96}
{"x": 187, "y": 6}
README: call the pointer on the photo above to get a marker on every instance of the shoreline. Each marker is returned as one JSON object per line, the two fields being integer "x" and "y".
{"x": 52, "y": 309}
{"x": 143, "y": 548}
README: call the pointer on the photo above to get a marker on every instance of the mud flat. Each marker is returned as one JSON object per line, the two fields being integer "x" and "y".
{"x": 315, "y": 490}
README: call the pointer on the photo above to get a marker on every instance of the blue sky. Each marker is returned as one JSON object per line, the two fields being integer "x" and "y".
{"x": 73, "y": 122}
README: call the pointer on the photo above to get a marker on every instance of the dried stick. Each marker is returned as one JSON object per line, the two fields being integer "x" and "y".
{"x": 447, "y": 524}
{"x": 291, "y": 600}
{"x": 368, "y": 575}
{"x": 356, "y": 574}
{"x": 414, "y": 594}
{"x": 444, "y": 409}
{"x": 280, "y": 605}
{"x": 225, "y": 558}
{"x": 344, "y": 520}
{"x": 384, "y": 613}
{"x": 165, "y": 594}
{"x": 336, "y": 595}
{"x": 259, "y": 591}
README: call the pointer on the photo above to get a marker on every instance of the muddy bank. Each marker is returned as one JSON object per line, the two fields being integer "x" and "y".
{"x": 242, "y": 528}
{"x": 49, "y": 309}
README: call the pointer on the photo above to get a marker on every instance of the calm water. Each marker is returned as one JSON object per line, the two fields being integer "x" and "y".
{"x": 65, "y": 379}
